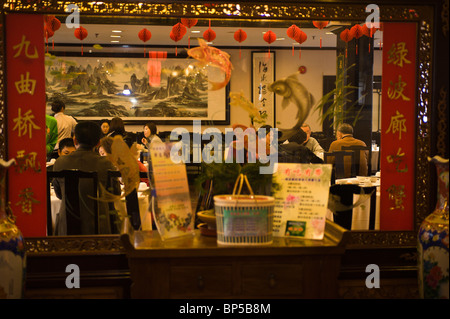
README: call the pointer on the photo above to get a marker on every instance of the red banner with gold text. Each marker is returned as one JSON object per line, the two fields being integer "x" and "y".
{"x": 398, "y": 132}
{"x": 26, "y": 128}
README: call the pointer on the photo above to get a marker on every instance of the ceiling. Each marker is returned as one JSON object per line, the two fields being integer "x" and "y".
{"x": 128, "y": 41}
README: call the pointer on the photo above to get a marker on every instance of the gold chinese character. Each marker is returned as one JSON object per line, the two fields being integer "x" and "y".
{"x": 26, "y": 44}
{"x": 26, "y": 161}
{"x": 396, "y": 194}
{"x": 395, "y": 90}
{"x": 25, "y": 124}
{"x": 397, "y": 54}
{"x": 397, "y": 125}
{"x": 25, "y": 85}
{"x": 398, "y": 159}
{"x": 27, "y": 200}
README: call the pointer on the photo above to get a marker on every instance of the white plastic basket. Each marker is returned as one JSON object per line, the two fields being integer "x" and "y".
{"x": 244, "y": 219}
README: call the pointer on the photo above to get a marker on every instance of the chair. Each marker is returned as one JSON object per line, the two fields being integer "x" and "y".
{"x": 131, "y": 200}
{"x": 338, "y": 166}
{"x": 81, "y": 212}
{"x": 356, "y": 161}
{"x": 345, "y": 192}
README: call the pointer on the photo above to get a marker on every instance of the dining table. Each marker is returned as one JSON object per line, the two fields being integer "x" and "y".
{"x": 361, "y": 213}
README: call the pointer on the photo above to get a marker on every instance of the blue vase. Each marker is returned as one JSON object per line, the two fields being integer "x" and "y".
{"x": 433, "y": 242}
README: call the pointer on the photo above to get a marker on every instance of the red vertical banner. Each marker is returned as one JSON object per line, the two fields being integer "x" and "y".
{"x": 25, "y": 109}
{"x": 398, "y": 132}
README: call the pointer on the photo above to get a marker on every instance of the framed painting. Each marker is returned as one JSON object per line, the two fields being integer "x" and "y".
{"x": 263, "y": 74}
{"x": 163, "y": 90}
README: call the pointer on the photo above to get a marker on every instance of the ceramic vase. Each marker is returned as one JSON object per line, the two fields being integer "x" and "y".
{"x": 12, "y": 250}
{"x": 433, "y": 241}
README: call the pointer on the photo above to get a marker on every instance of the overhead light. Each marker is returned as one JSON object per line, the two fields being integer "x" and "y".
{"x": 329, "y": 33}
{"x": 115, "y": 41}
{"x": 195, "y": 31}
{"x": 115, "y": 36}
{"x": 280, "y": 39}
{"x": 116, "y": 31}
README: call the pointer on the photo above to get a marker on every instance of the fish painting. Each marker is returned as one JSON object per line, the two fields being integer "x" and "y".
{"x": 293, "y": 92}
{"x": 211, "y": 56}
{"x": 125, "y": 159}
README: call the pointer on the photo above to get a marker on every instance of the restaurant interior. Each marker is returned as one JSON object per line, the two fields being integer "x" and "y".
{"x": 103, "y": 71}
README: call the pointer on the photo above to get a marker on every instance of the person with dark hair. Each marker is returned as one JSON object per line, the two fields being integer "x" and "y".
{"x": 66, "y": 146}
{"x": 344, "y": 137}
{"x": 150, "y": 131}
{"x": 295, "y": 152}
{"x": 66, "y": 123}
{"x": 85, "y": 158}
{"x": 311, "y": 142}
{"x": 104, "y": 125}
{"x": 116, "y": 127}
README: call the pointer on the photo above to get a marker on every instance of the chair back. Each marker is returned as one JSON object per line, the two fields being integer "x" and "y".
{"x": 338, "y": 165}
{"x": 345, "y": 192}
{"x": 81, "y": 212}
{"x": 358, "y": 151}
{"x": 131, "y": 200}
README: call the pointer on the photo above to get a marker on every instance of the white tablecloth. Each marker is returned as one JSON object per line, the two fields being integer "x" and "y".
{"x": 360, "y": 219}
{"x": 120, "y": 205}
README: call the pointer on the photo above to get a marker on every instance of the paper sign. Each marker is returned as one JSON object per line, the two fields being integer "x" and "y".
{"x": 172, "y": 210}
{"x": 301, "y": 200}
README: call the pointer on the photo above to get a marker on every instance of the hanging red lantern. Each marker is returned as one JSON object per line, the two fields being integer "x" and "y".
{"x": 209, "y": 35}
{"x": 81, "y": 33}
{"x": 177, "y": 33}
{"x": 48, "y": 18}
{"x": 189, "y": 23}
{"x": 144, "y": 35}
{"x": 240, "y": 36}
{"x": 357, "y": 32}
{"x": 300, "y": 38}
{"x": 346, "y": 36}
{"x": 293, "y": 32}
{"x": 269, "y": 37}
{"x": 320, "y": 25}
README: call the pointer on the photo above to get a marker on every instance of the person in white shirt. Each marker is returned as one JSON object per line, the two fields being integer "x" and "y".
{"x": 311, "y": 142}
{"x": 66, "y": 123}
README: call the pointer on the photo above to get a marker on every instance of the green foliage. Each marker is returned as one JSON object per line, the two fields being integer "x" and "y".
{"x": 336, "y": 100}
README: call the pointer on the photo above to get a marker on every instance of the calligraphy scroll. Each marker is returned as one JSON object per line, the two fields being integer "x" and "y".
{"x": 26, "y": 121}
{"x": 398, "y": 126}
{"x": 263, "y": 74}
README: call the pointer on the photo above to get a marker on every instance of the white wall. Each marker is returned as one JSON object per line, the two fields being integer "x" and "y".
{"x": 317, "y": 62}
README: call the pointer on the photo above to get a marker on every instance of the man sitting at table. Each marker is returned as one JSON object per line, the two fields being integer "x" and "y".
{"x": 85, "y": 158}
{"x": 66, "y": 147}
{"x": 344, "y": 137}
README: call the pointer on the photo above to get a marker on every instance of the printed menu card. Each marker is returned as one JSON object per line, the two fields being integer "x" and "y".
{"x": 301, "y": 200}
{"x": 172, "y": 208}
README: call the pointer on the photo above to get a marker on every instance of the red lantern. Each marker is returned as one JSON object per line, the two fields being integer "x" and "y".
{"x": 346, "y": 36}
{"x": 48, "y": 18}
{"x": 54, "y": 24}
{"x": 240, "y": 36}
{"x": 320, "y": 25}
{"x": 81, "y": 33}
{"x": 269, "y": 37}
{"x": 357, "y": 32}
{"x": 209, "y": 35}
{"x": 300, "y": 38}
{"x": 189, "y": 23}
{"x": 144, "y": 35}
{"x": 178, "y": 32}
{"x": 292, "y": 32}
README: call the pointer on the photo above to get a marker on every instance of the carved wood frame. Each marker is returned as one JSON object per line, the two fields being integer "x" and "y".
{"x": 422, "y": 14}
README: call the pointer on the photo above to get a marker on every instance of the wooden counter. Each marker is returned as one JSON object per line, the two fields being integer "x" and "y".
{"x": 197, "y": 267}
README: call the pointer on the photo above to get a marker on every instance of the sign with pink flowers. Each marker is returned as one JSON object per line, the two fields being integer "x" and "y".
{"x": 301, "y": 200}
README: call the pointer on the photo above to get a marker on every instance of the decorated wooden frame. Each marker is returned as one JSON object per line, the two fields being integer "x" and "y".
{"x": 422, "y": 15}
